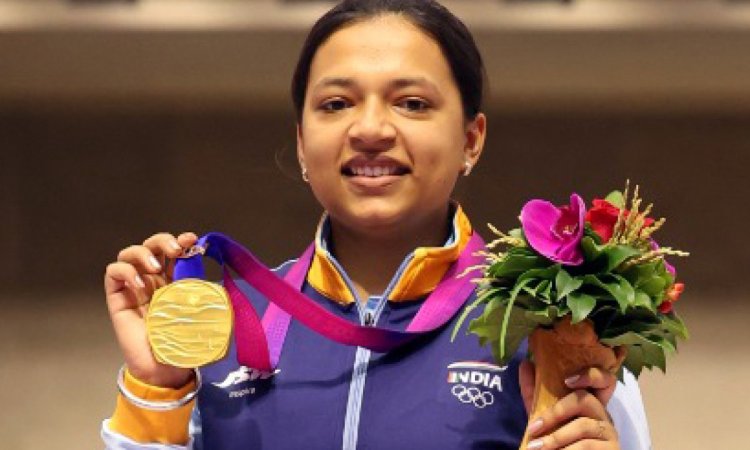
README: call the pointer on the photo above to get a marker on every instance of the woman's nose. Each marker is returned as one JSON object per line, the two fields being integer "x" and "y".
{"x": 372, "y": 127}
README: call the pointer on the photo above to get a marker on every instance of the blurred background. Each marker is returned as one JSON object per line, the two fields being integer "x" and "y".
{"x": 119, "y": 119}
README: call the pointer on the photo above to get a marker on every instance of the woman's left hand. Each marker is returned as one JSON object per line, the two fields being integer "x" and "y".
{"x": 577, "y": 421}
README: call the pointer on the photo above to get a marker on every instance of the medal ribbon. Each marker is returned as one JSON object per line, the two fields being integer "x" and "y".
{"x": 259, "y": 342}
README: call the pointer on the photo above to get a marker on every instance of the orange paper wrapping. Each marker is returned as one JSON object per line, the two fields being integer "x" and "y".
{"x": 559, "y": 353}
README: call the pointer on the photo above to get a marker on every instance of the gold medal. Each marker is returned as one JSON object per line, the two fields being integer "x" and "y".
{"x": 189, "y": 323}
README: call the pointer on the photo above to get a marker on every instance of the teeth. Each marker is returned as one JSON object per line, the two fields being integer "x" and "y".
{"x": 369, "y": 171}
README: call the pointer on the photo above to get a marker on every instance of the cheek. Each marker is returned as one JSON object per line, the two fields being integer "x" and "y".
{"x": 320, "y": 145}
{"x": 440, "y": 154}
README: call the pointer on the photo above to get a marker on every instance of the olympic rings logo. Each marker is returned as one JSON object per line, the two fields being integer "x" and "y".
{"x": 473, "y": 395}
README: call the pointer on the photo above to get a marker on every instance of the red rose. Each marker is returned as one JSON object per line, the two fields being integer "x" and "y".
{"x": 603, "y": 216}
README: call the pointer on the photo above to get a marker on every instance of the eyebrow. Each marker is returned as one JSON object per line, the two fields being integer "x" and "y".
{"x": 340, "y": 82}
{"x": 398, "y": 83}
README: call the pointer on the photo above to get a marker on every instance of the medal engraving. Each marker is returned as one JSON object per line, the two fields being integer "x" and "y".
{"x": 189, "y": 323}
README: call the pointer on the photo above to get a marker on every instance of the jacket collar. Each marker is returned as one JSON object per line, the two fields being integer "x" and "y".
{"x": 420, "y": 272}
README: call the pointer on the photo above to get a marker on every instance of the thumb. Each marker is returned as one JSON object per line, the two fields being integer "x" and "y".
{"x": 526, "y": 380}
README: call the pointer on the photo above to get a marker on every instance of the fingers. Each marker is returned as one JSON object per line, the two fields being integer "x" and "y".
{"x": 139, "y": 268}
{"x": 526, "y": 381}
{"x": 597, "y": 381}
{"x": 577, "y": 404}
{"x": 123, "y": 278}
{"x": 152, "y": 257}
{"x": 165, "y": 244}
{"x": 142, "y": 258}
{"x": 187, "y": 239}
{"x": 583, "y": 432}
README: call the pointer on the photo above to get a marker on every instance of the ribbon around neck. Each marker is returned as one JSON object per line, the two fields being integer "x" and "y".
{"x": 259, "y": 342}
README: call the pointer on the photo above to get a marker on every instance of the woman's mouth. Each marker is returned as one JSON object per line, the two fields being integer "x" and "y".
{"x": 382, "y": 167}
{"x": 373, "y": 171}
{"x": 373, "y": 176}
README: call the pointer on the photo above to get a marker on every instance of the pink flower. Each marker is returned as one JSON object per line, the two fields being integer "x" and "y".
{"x": 555, "y": 232}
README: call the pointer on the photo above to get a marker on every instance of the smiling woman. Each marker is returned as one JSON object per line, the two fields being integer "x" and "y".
{"x": 383, "y": 139}
{"x": 388, "y": 100}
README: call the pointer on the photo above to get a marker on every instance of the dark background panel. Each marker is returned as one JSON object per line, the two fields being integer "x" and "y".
{"x": 79, "y": 183}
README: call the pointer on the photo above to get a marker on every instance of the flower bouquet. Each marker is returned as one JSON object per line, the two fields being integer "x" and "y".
{"x": 586, "y": 287}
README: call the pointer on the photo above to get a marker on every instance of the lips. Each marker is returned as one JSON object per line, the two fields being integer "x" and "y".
{"x": 374, "y": 168}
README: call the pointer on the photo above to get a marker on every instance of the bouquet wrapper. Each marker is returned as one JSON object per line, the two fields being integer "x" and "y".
{"x": 565, "y": 350}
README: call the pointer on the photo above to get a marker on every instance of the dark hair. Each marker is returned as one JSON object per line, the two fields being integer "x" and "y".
{"x": 449, "y": 32}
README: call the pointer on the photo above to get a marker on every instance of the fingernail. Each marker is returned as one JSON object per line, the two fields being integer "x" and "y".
{"x": 535, "y": 444}
{"x": 139, "y": 281}
{"x": 154, "y": 262}
{"x": 572, "y": 380}
{"x": 175, "y": 245}
{"x": 535, "y": 426}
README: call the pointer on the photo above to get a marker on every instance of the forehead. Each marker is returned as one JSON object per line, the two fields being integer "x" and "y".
{"x": 380, "y": 48}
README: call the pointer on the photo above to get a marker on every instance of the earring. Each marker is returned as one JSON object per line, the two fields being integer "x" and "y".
{"x": 304, "y": 175}
{"x": 467, "y": 168}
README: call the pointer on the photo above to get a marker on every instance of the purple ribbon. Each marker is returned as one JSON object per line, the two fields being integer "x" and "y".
{"x": 259, "y": 342}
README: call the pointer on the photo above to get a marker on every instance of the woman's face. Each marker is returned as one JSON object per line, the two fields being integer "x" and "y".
{"x": 383, "y": 136}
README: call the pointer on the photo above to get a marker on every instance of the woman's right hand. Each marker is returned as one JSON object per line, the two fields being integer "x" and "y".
{"x": 129, "y": 284}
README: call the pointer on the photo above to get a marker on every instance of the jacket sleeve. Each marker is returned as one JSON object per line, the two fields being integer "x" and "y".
{"x": 134, "y": 428}
{"x": 629, "y": 416}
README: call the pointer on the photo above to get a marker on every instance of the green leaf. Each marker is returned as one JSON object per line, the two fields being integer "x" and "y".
{"x": 616, "y": 255}
{"x": 565, "y": 284}
{"x": 538, "y": 278}
{"x": 641, "y": 271}
{"x": 580, "y": 305}
{"x": 605, "y": 257}
{"x": 506, "y": 318}
{"x": 642, "y": 352}
{"x": 482, "y": 298}
{"x": 516, "y": 262}
{"x": 591, "y": 250}
{"x": 642, "y": 300}
{"x": 672, "y": 324}
{"x": 649, "y": 277}
{"x": 526, "y": 301}
{"x": 616, "y": 198}
{"x": 653, "y": 287}
{"x": 546, "y": 273}
{"x": 635, "y": 326}
{"x": 486, "y": 325}
{"x": 544, "y": 290}
{"x": 519, "y": 329}
{"x": 616, "y": 286}
{"x": 543, "y": 317}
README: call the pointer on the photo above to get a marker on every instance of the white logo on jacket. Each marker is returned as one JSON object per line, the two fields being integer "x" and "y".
{"x": 474, "y": 381}
{"x": 242, "y": 375}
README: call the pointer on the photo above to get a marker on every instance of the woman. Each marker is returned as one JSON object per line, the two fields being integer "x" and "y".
{"x": 388, "y": 97}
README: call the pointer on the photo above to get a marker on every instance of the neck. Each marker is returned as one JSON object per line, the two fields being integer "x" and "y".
{"x": 371, "y": 259}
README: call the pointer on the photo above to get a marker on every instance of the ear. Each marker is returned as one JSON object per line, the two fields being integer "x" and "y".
{"x": 476, "y": 131}
{"x": 300, "y": 147}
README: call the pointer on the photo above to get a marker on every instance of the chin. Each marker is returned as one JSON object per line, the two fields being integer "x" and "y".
{"x": 373, "y": 217}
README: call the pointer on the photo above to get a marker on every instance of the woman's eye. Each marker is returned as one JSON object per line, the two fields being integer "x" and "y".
{"x": 334, "y": 105}
{"x": 414, "y": 104}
